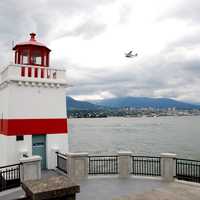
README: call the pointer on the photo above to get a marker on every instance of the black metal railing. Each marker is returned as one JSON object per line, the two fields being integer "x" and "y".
{"x": 103, "y": 165}
{"x": 9, "y": 177}
{"x": 146, "y": 166}
{"x": 188, "y": 170}
{"x": 62, "y": 162}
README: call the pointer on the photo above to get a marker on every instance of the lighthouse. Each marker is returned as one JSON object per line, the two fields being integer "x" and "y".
{"x": 33, "y": 115}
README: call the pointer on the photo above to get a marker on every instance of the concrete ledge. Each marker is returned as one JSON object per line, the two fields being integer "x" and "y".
{"x": 168, "y": 155}
{"x": 187, "y": 183}
{"x": 158, "y": 178}
{"x": 77, "y": 154}
{"x": 30, "y": 159}
{"x": 54, "y": 187}
{"x": 124, "y": 153}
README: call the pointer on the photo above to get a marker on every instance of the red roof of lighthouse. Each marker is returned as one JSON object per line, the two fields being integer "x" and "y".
{"x": 32, "y": 42}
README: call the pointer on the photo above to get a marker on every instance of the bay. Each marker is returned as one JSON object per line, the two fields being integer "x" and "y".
{"x": 142, "y": 136}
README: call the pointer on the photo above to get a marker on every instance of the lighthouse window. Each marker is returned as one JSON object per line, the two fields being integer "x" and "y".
{"x": 19, "y": 138}
{"x": 25, "y": 57}
{"x": 36, "y": 58}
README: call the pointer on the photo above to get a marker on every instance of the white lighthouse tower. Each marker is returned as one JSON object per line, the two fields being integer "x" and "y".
{"x": 33, "y": 119}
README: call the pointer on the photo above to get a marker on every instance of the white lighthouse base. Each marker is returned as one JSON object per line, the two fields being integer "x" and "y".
{"x": 12, "y": 150}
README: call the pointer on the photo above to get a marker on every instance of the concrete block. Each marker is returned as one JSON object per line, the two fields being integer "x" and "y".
{"x": 30, "y": 168}
{"x": 124, "y": 163}
{"x": 168, "y": 166}
{"x": 78, "y": 165}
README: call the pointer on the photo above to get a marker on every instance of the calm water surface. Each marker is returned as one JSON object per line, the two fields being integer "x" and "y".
{"x": 143, "y": 136}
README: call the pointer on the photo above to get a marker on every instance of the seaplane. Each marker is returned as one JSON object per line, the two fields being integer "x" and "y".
{"x": 130, "y": 54}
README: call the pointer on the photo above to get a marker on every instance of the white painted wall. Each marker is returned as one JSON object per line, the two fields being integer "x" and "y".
{"x": 11, "y": 150}
{"x": 4, "y": 95}
{"x": 58, "y": 142}
{"x": 24, "y": 146}
{"x": 3, "y": 150}
{"x": 24, "y": 102}
{"x": 36, "y": 102}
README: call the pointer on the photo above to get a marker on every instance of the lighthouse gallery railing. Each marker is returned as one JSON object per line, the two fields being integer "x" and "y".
{"x": 19, "y": 72}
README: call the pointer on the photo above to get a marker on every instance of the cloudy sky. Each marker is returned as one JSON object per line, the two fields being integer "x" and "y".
{"x": 89, "y": 38}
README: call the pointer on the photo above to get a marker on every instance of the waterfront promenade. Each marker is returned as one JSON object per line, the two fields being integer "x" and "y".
{"x": 123, "y": 176}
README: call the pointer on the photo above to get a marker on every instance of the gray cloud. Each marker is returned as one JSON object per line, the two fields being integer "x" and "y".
{"x": 161, "y": 78}
{"x": 184, "y": 10}
{"x": 168, "y": 73}
{"x": 17, "y": 18}
{"x": 125, "y": 12}
{"x": 87, "y": 30}
{"x": 188, "y": 10}
{"x": 189, "y": 41}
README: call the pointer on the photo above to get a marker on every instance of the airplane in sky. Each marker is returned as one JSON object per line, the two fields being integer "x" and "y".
{"x": 130, "y": 55}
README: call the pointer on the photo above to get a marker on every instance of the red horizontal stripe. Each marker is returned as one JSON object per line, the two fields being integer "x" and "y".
{"x": 32, "y": 126}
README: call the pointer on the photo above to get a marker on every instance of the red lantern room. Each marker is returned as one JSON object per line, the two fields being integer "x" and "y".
{"x": 32, "y": 52}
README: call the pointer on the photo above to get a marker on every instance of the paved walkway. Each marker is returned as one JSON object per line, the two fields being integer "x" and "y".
{"x": 114, "y": 188}
{"x": 108, "y": 188}
{"x": 173, "y": 191}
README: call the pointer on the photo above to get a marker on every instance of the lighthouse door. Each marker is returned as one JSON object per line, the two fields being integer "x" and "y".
{"x": 39, "y": 148}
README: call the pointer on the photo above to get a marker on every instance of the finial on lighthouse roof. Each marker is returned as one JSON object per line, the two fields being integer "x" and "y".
{"x": 32, "y": 37}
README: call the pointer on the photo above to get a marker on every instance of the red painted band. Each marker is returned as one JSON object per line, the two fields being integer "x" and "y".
{"x": 32, "y": 126}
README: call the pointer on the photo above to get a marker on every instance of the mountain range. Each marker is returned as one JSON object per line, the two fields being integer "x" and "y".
{"x": 145, "y": 102}
{"x": 121, "y": 102}
{"x": 73, "y": 104}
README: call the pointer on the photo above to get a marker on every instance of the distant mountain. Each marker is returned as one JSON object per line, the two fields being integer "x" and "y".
{"x": 121, "y": 102}
{"x": 73, "y": 104}
{"x": 144, "y": 102}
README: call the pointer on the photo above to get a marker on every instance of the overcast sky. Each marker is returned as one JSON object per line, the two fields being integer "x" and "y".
{"x": 89, "y": 38}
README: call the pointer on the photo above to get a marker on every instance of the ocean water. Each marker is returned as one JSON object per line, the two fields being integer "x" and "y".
{"x": 142, "y": 136}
